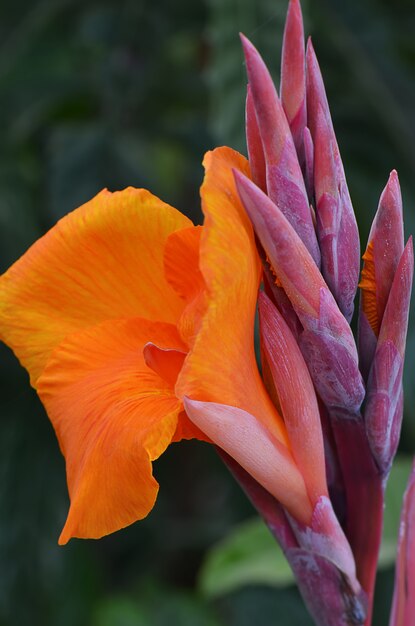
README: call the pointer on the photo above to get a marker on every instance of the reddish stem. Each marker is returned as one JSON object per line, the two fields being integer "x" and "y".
{"x": 365, "y": 500}
{"x": 325, "y": 589}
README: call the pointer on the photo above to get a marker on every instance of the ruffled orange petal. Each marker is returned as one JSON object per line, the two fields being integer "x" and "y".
{"x": 221, "y": 366}
{"x": 103, "y": 261}
{"x": 112, "y": 415}
{"x": 181, "y": 264}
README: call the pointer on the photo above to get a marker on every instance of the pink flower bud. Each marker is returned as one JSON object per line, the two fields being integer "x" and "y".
{"x": 254, "y": 144}
{"x": 383, "y": 252}
{"x": 383, "y": 412}
{"x": 293, "y": 85}
{"x": 337, "y": 231}
{"x": 327, "y": 342}
{"x": 285, "y": 183}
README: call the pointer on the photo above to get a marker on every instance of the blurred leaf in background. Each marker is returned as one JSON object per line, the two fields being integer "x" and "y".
{"x": 98, "y": 93}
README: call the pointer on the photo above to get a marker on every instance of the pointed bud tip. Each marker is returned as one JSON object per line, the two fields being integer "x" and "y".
{"x": 246, "y": 44}
{"x": 310, "y": 47}
{"x": 294, "y": 12}
{"x": 393, "y": 176}
{"x": 252, "y": 57}
{"x": 240, "y": 179}
{"x": 393, "y": 187}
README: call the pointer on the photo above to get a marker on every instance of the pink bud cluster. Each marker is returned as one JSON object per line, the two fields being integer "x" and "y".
{"x": 300, "y": 207}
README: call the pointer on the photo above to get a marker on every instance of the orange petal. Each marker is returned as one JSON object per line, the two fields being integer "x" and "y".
{"x": 102, "y": 261}
{"x": 221, "y": 366}
{"x": 112, "y": 415}
{"x": 181, "y": 264}
{"x": 186, "y": 429}
{"x": 166, "y": 362}
{"x": 368, "y": 289}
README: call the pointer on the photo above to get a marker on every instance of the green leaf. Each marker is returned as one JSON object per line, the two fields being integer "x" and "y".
{"x": 248, "y": 556}
{"x": 119, "y": 611}
{"x": 393, "y": 503}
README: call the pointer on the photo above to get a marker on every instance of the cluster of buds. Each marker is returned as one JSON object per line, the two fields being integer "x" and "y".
{"x": 300, "y": 208}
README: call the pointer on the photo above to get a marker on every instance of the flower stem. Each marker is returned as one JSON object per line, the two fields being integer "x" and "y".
{"x": 365, "y": 499}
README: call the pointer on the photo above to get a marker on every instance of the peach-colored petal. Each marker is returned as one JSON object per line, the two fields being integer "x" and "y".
{"x": 255, "y": 449}
{"x": 112, "y": 415}
{"x": 221, "y": 366}
{"x": 103, "y": 261}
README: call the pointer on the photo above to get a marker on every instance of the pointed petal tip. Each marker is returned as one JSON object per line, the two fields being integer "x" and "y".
{"x": 393, "y": 176}
{"x": 246, "y": 44}
{"x": 252, "y": 55}
{"x": 243, "y": 186}
{"x": 293, "y": 82}
{"x": 63, "y": 539}
{"x": 294, "y": 13}
{"x": 391, "y": 194}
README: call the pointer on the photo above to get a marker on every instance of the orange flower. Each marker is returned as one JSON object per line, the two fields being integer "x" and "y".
{"x": 125, "y": 312}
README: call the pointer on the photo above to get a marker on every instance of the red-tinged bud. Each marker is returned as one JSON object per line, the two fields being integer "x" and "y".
{"x": 293, "y": 84}
{"x": 296, "y": 396}
{"x": 383, "y": 412}
{"x": 330, "y": 352}
{"x": 329, "y": 552}
{"x": 250, "y": 443}
{"x": 284, "y": 248}
{"x": 327, "y": 342}
{"x": 337, "y": 230}
{"x": 383, "y": 252}
{"x": 254, "y": 144}
{"x": 395, "y": 319}
{"x": 403, "y": 606}
{"x": 325, "y": 537}
{"x": 285, "y": 183}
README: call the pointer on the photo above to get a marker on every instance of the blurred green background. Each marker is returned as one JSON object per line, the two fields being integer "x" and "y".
{"x": 97, "y": 94}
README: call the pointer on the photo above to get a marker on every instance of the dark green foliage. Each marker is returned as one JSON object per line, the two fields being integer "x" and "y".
{"x": 95, "y": 94}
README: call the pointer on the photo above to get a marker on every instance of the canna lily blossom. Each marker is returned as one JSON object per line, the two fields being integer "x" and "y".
{"x": 137, "y": 330}
{"x": 129, "y": 320}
